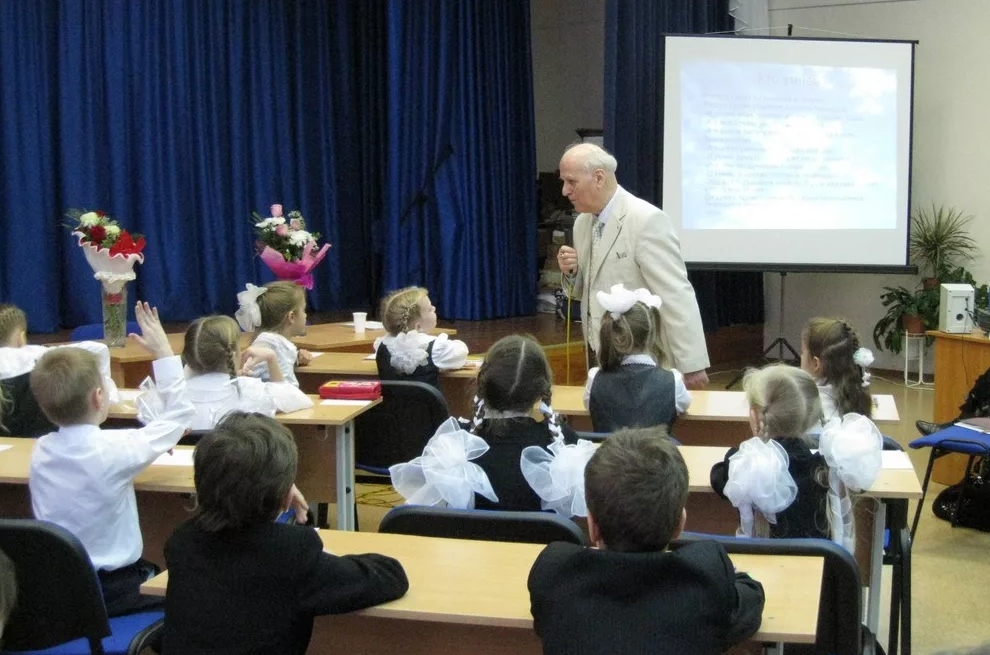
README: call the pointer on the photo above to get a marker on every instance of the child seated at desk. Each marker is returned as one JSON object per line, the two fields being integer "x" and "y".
{"x": 798, "y": 492}
{"x": 82, "y": 477}
{"x": 238, "y": 582}
{"x": 409, "y": 352}
{"x": 514, "y": 386}
{"x": 831, "y": 354}
{"x": 631, "y": 389}
{"x": 631, "y": 595}
{"x": 217, "y": 379}
{"x": 20, "y": 415}
{"x": 277, "y": 311}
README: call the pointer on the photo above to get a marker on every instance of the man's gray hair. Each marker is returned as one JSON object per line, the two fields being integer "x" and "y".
{"x": 594, "y": 157}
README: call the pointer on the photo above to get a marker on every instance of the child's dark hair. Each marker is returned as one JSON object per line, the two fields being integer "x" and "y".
{"x": 243, "y": 470}
{"x": 62, "y": 382}
{"x": 636, "y": 487}
{"x": 514, "y": 376}
{"x": 631, "y": 333}
{"x": 211, "y": 345}
{"x": 12, "y": 321}
{"x": 276, "y": 302}
{"x": 400, "y": 309}
{"x": 833, "y": 341}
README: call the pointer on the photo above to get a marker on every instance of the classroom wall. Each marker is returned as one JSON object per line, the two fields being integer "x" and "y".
{"x": 568, "y": 38}
{"x": 951, "y": 162}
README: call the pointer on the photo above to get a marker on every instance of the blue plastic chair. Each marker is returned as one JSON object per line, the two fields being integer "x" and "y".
{"x": 94, "y": 331}
{"x": 60, "y": 608}
{"x": 398, "y": 429}
{"x": 951, "y": 440}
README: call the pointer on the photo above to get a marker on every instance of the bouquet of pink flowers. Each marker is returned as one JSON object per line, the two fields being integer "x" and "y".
{"x": 287, "y": 248}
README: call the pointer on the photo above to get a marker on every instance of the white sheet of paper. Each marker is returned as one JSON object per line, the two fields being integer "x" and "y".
{"x": 316, "y": 354}
{"x": 3, "y": 448}
{"x": 128, "y": 395}
{"x": 368, "y": 325}
{"x": 344, "y": 403}
{"x": 895, "y": 459}
{"x": 371, "y": 357}
{"x": 179, "y": 457}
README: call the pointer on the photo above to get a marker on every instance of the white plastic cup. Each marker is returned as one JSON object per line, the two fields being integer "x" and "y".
{"x": 360, "y": 319}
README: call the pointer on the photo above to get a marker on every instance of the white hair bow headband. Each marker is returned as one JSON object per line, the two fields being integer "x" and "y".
{"x": 249, "y": 314}
{"x": 863, "y": 358}
{"x": 618, "y": 300}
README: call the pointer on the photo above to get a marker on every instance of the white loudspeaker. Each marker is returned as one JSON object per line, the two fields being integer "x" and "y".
{"x": 955, "y": 308}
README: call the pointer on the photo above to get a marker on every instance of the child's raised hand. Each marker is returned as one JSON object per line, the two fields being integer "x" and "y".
{"x": 254, "y": 355}
{"x": 299, "y": 505}
{"x": 152, "y": 335}
{"x": 303, "y": 357}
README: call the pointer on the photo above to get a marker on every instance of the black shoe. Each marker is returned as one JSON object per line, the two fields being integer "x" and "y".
{"x": 927, "y": 427}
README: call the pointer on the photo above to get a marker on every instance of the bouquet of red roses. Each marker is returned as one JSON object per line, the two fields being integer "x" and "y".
{"x": 287, "y": 248}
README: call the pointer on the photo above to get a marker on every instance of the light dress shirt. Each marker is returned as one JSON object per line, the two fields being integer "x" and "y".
{"x": 286, "y": 352}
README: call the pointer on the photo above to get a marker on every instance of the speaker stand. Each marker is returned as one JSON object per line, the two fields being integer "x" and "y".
{"x": 780, "y": 343}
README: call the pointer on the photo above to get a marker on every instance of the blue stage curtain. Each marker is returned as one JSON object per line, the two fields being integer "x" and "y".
{"x": 634, "y": 127}
{"x": 460, "y": 192}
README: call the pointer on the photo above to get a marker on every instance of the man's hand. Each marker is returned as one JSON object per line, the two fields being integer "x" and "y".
{"x": 696, "y": 380}
{"x": 567, "y": 260}
{"x": 152, "y": 335}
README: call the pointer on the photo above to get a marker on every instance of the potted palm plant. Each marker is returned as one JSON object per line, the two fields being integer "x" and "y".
{"x": 940, "y": 242}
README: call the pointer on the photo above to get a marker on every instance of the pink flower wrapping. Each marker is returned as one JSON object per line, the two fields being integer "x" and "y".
{"x": 276, "y": 210}
{"x": 298, "y": 271}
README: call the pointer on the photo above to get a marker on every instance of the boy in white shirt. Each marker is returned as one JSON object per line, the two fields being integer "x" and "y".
{"x": 82, "y": 477}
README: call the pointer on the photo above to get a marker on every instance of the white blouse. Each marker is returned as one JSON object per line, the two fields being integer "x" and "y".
{"x": 682, "y": 397}
{"x": 18, "y": 361}
{"x": 286, "y": 352}
{"x": 408, "y": 350}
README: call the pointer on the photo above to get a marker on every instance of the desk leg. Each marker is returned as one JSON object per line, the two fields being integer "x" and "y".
{"x": 345, "y": 476}
{"x": 876, "y": 569}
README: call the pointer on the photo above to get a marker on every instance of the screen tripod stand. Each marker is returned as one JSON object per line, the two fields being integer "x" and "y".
{"x": 780, "y": 343}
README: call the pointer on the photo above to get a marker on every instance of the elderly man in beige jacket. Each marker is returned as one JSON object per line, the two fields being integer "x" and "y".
{"x": 637, "y": 247}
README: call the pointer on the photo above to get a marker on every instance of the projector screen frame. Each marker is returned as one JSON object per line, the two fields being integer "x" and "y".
{"x": 777, "y": 267}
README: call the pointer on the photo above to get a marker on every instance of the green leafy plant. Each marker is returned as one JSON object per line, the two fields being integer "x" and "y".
{"x": 940, "y": 240}
{"x": 888, "y": 333}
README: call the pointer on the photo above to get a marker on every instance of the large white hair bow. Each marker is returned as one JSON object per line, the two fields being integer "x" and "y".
{"x": 863, "y": 358}
{"x": 444, "y": 472}
{"x": 407, "y": 352}
{"x": 248, "y": 314}
{"x": 618, "y": 300}
{"x": 556, "y": 474}
{"x": 852, "y": 448}
{"x": 758, "y": 478}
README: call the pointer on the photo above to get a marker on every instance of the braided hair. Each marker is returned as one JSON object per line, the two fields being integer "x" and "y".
{"x": 12, "y": 322}
{"x": 400, "y": 309}
{"x": 212, "y": 345}
{"x": 833, "y": 341}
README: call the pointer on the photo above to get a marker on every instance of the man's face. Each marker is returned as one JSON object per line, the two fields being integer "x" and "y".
{"x": 583, "y": 189}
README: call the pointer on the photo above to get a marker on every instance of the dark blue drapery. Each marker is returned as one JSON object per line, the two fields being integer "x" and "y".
{"x": 180, "y": 117}
{"x": 634, "y": 127}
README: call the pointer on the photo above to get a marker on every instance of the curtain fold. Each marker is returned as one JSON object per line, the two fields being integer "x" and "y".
{"x": 181, "y": 117}
{"x": 634, "y": 62}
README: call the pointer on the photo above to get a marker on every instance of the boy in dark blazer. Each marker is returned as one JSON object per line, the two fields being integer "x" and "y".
{"x": 240, "y": 583}
{"x": 630, "y": 595}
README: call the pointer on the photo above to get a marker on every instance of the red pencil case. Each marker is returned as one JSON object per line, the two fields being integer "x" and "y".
{"x": 351, "y": 389}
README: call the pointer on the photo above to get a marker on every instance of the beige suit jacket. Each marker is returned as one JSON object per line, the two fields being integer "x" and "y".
{"x": 641, "y": 250}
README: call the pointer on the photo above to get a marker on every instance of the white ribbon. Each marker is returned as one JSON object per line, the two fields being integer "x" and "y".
{"x": 407, "y": 352}
{"x": 759, "y": 479}
{"x": 618, "y": 300}
{"x": 852, "y": 447}
{"x": 556, "y": 474}
{"x": 249, "y": 314}
{"x": 863, "y": 357}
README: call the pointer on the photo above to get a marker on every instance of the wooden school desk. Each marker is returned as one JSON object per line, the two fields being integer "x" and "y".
{"x": 471, "y": 597}
{"x": 342, "y": 337}
{"x": 164, "y": 493}
{"x": 457, "y": 385}
{"x": 715, "y": 418}
{"x": 959, "y": 360}
{"x": 326, "y": 468}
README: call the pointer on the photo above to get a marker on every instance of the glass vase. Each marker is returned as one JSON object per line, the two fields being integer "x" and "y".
{"x": 115, "y": 317}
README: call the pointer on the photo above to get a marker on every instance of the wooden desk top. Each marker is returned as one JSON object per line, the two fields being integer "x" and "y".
{"x": 328, "y": 336}
{"x": 976, "y": 335}
{"x": 336, "y": 363}
{"x": 318, "y": 414}
{"x": 708, "y": 405}
{"x": 484, "y": 583}
{"x": 15, "y": 467}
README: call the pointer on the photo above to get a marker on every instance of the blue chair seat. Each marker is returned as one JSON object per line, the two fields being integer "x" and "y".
{"x": 123, "y": 629}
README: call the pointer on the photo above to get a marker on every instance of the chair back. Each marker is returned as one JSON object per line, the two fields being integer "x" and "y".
{"x": 482, "y": 525}
{"x": 94, "y": 331}
{"x": 397, "y": 429}
{"x": 58, "y": 593}
{"x": 840, "y": 630}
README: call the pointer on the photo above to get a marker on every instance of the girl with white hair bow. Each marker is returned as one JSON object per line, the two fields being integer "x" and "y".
{"x": 780, "y": 485}
{"x": 630, "y": 388}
